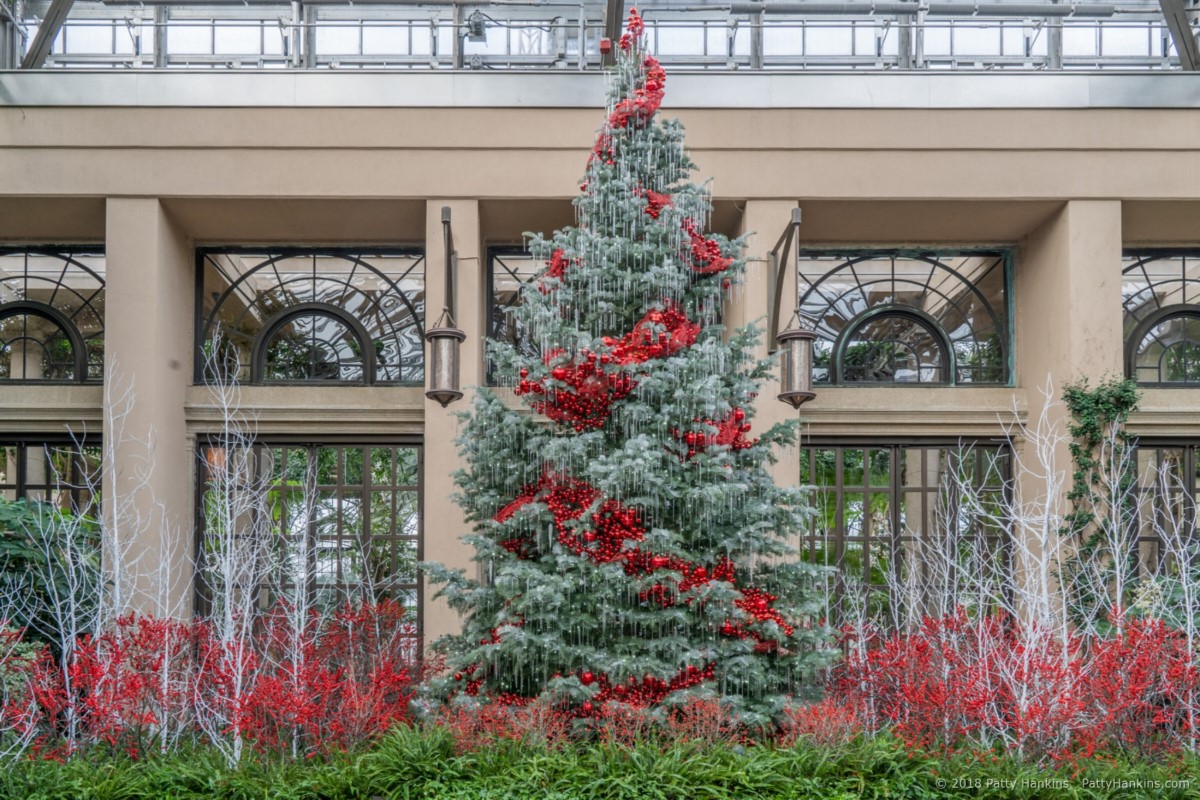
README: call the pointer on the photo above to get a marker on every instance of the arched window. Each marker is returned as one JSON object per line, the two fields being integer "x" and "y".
{"x": 893, "y": 347}
{"x": 1161, "y": 293}
{"x": 316, "y": 315}
{"x": 923, "y": 318}
{"x": 51, "y": 315}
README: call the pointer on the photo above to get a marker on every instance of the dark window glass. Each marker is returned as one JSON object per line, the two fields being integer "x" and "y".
{"x": 1168, "y": 479}
{"x": 876, "y": 506}
{"x": 59, "y": 471}
{"x": 1162, "y": 317}
{"x": 890, "y": 317}
{"x": 51, "y": 314}
{"x": 341, "y": 522}
{"x": 509, "y": 270}
{"x": 351, "y": 316}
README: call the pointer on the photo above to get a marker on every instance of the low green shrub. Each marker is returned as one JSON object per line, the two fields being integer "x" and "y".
{"x": 415, "y": 764}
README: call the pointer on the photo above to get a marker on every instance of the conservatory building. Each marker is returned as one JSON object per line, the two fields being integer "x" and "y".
{"x": 971, "y": 205}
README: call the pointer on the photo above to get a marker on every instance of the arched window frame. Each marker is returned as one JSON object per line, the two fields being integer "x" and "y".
{"x": 846, "y": 259}
{"x": 271, "y": 328}
{"x": 207, "y": 321}
{"x": 90, "y": 301}
{"x": 1139, "y": 327}
{"x": 837, "y": 361}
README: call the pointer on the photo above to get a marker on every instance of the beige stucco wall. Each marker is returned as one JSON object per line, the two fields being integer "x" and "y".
{"x": 1065, "y": 187}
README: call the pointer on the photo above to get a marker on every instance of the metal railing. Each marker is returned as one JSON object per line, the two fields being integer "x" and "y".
{"x": 327, "y": 36}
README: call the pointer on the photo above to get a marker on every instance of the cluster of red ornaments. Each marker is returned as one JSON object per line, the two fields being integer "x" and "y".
{"x": 634, "y": 28}
{"x": 556, "y": 267}
{"x": 705, "y": 252}
{"x": 757, "y": 603}
{"x": 658, "y": 334}
{"x": 640, "y": 109}
{"x": 586, "y": 400}
{"x": 655, "y": 202}
{"x": 589, "y": 390}
{"x": 731, "y": 433}
{"x": 612, "y": 524}
{"x": 648, "y": 691}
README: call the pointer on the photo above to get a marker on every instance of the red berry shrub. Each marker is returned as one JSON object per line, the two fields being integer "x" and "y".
{"x": 301, "y": 685}
{"x": 1039, "y": 693}
{"x": 826, "y": 723}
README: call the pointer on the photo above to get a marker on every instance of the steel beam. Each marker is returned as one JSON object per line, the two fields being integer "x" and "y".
{"x": 1181, "y": 33}
{"x": 56, "y": 15}
{"x": 614, "y": 20}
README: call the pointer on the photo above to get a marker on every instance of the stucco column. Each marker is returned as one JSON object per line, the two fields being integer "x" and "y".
{"x": 444, "y": 524}
{"x": 147, "y": 346}
{"x": 764, "y": 220}
{"x": 1068, "y": 328}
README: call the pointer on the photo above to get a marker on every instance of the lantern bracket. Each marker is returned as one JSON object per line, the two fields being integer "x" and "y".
{"x": 776, "y": 263}
{"x": 451, "y": 262}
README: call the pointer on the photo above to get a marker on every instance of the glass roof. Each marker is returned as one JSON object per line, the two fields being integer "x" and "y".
{"x": 854, "y": 35}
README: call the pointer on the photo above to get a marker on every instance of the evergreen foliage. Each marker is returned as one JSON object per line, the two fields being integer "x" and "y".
{"x": 634, "y": 547}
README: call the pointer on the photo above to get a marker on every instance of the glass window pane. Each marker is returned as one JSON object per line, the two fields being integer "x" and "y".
{"x": 234, "y": 39}
{"x": 1162, "y": 317}
{"x": 383, "y": 291}
{"x": 51, "y": 306}
{"x": 891, "y": 315}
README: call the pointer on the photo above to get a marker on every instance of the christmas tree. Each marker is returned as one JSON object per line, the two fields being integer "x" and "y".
{"x": 632, "y": 541}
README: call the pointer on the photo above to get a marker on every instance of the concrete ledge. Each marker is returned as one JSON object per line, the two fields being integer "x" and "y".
{"x": 52, "y": 410}
{"x": 552, "y": 89}
{"x": 319, "y": 411}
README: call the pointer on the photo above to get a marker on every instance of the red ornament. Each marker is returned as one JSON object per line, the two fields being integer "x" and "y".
{"x": 705, "y": 253}
{"x": 587, "y": 679}
{"x": 730, "y": 432}
{"x": 655, "y": 202}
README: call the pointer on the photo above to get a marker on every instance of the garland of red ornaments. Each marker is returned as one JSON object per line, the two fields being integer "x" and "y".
{"x": 612, "y": 523}
{"x": 584, "y": 391}
{"x": 647, "y": 691}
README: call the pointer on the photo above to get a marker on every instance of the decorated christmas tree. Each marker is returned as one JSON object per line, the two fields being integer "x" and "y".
{"x": 632, "y": 543}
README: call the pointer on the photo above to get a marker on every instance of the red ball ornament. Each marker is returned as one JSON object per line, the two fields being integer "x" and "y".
{"x": 458, "y": 676}
{"x": 558, "y": 373}
{"x": 739, "y": 414}
{"x": 588, "y": 707}
{"x": 587, "y": 679}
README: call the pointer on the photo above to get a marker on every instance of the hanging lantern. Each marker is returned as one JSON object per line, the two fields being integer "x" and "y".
{"x": 444, "y": 339}
{"x": 795, "y": 369}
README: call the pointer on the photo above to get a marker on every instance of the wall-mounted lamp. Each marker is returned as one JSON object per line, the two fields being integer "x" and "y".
{"x": 795, "y": 343}
{"x": 795, "y": 363}
{"x": 443, "y": 360}
{"x": 444, "y": 337}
